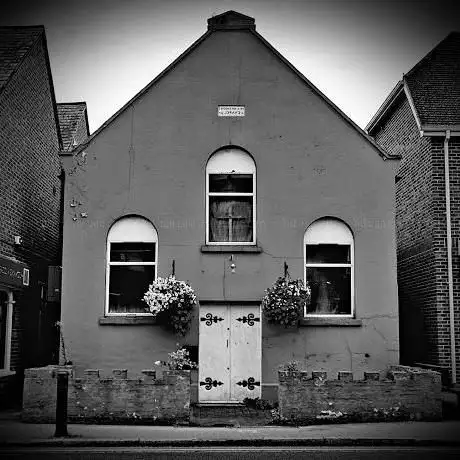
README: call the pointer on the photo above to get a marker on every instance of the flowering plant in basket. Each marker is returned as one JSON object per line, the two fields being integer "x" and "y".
{"x": 283, "y": 303}
{"x": 171, "y": 301}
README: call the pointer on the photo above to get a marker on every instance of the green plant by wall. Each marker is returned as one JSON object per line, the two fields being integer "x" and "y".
{"x": 259, "y": 404}
{"x": 290, "y": 366}
{"x": 178, "y": 360}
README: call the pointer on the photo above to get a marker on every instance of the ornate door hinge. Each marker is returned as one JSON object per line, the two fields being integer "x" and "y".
{"x": 210, "y": 383}
{"x": 250, "y": 383}
{"x": 248, "y": 319}
{"x": 211, "y": 319}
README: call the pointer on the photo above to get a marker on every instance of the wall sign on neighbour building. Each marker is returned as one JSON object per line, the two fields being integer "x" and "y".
{"x": 13, "y": 273}
{"x": 231, "y": 111}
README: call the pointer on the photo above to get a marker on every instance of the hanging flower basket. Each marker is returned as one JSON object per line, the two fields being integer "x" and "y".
{"x": 284, "y": 302}
{"x": 171, "y": 301}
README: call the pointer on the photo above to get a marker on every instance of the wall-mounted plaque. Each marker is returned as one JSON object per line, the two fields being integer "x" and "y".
{"x": 14, "y": 273}
{"x": 231, "y": 110}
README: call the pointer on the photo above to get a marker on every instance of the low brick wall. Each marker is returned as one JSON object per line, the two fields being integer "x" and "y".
{"x": 39, "y": 393}
{"x": 405, "y": 394}
{"x": 118, "y": 399}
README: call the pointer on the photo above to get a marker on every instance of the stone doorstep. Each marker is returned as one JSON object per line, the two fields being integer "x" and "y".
{"x": 228, "y": 415}
{"x": 454, "y": 389}
{"x": 451, "y": 397}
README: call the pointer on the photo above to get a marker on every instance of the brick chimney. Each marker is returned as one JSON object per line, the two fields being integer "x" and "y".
{"x": 231, "y": 20}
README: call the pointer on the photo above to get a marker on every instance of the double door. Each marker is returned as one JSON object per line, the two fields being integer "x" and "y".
{"x": 229, "y": 353}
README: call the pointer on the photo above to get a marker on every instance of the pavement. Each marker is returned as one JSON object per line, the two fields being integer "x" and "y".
{"x": 14, "y": 433}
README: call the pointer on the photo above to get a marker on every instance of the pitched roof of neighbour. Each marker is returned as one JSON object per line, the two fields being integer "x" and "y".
{"x": 232, "y": 20}
{"x": 15, "y": 44}
{"x": 71, "y": 116}
{"x": 432, "y": 87}
{"x": 434, "y": 84}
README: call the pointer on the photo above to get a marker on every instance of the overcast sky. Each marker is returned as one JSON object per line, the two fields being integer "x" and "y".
{"x": 105, "y": 51}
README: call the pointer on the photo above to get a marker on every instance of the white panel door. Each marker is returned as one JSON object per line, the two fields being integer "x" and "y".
{"x": 245, "y": 352}
{"x": 213, "y": 356}
{"x": 229, "y": 353}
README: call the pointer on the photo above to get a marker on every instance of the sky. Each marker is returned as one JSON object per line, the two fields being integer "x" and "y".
{"x": 355, "y": 51}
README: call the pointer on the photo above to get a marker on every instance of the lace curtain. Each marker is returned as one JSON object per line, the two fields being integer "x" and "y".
{"x": 230, "y": 219}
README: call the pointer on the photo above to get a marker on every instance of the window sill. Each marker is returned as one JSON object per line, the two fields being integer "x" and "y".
{"x": 6, "y": 373}
{"x": 231, "y": 248}
{"x": 331, "y": 322}
{"x": 130, "y": 320}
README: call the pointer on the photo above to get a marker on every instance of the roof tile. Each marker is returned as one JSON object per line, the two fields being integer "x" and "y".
{"x": 70, "y": 116}
{"x": 15, "y": 43}
{"x": 434, "y": 84}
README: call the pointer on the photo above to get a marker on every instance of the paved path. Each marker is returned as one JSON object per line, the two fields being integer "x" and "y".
{"x": 14, "y": 432}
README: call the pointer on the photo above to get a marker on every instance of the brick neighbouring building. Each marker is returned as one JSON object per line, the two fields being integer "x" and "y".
{"x": 30, "y": 202}
{"x": 420, "y": 120}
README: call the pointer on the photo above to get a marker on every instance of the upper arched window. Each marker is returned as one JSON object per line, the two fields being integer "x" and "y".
{"x": 132, "y": 248}
{"x": 329, "y": 251}
{"x": 230, "y": 198}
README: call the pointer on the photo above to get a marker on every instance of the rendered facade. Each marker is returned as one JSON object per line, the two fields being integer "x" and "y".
{"x": 226, "y": 169}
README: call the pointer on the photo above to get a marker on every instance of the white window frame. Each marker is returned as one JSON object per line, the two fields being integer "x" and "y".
{"x": 5, "y": 370}
{"x": 330, "y": 230}
{"x": 231, "y": 161}
{"x": 131, "y": 229}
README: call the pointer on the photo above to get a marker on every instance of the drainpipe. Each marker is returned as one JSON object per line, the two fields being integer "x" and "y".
{"x": 449, "y": 260}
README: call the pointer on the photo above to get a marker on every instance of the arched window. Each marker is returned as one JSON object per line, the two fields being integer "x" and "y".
{"x": 230, "y": 198}
{"x": 132, "y": 248}
{"x": 329, "y": 251}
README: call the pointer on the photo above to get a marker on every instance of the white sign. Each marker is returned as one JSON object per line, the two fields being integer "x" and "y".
{"x": 231, "y": 111}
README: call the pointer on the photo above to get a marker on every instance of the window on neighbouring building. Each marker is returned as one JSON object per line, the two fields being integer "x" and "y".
{"x": 230, "y": 198}
{"x": 328, "y": 246}
{"x": 132, "y": 248}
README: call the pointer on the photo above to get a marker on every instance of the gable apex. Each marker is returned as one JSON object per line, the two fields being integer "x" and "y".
{"x": 231, "y": 20}
{"x": 236, "y": 21}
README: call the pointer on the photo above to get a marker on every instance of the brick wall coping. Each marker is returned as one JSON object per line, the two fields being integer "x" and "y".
{"x": 395, "y": 373}
{"x": 96, "y": 374}
{"x": 148, "y": 375}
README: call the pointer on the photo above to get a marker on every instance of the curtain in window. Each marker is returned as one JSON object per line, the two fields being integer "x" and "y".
{"x": 230, "y": 219}
{"x": 330, "y": 290}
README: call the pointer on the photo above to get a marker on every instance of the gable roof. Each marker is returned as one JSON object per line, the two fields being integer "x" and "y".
{"x": 71, "y": 116}
{"x": 15, "y": 44}
{"x": 434, "y": 84}
{"x": 432, "y": 88}
{"x": 232, "y": 20}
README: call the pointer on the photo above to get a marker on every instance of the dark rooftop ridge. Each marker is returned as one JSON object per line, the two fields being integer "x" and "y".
{"x": 231, "y": 20}
{"x": 71, "y": 116}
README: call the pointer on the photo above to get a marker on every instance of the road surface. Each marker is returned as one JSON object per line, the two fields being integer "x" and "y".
{"x": 231, "y": 453}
